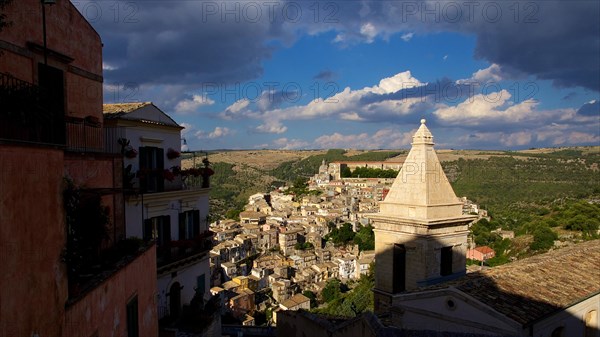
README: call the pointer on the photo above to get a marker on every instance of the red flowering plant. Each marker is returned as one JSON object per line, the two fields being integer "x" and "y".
{"x": 126, "y": 149}
{"x": 172, "y": 153}
{"x": 191, "y": 172}
{"x": 143, "y": 173}
{"x": 168, "y": 175}
{"x": 176, "y": 170}
{"x": 206, "y": 171}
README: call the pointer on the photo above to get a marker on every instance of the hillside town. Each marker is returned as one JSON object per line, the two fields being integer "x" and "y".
{"x": 106, "y": 233}
{"x": 278, "y": 248}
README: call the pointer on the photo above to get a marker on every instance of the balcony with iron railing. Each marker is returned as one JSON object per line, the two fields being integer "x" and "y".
{"x": 164, "y": 183}
{"x": 179, "y": 253}
{"x": 88, "y": 135}
{"x": 29, "y": 114}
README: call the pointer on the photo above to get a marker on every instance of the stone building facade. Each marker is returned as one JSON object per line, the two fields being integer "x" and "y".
{"x": 420, "y": 231}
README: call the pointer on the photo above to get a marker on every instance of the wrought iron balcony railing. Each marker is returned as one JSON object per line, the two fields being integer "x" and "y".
{"x": 26, "y": 113}
{"x": 89, "y": 135}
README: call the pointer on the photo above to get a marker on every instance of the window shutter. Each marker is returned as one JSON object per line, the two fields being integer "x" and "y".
{"x": 166, "y": 221}
{"x": 196, "y": 226}
{"x": 182, "y": 232}
{"x": 160, "y": 166}
{"x": 147, "y": 229}
{"x": 144, "y": 166}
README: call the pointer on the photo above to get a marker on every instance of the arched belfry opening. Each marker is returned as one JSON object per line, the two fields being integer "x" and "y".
{"x": 420, "y": 230}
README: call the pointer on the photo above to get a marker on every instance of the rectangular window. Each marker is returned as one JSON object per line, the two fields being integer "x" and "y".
{"x": 189, "y": 225}
{"x": 159, "y": 229}
{"x": 132, "y": 318}
{"x": 446, "y": 261}
{"x": 399, "y": 268}
{"x": 152, "y": 165}
{"x": 51, "y": 81}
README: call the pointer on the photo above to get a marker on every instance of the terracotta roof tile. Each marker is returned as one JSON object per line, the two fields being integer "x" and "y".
{"x": 484, "y": 249}
{"x": 123, "y": 108}
{"x": 531, "y": 288}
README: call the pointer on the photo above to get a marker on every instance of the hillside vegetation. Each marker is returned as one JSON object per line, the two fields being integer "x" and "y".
{"x": 502, "y": 182}
{"x": 307, "y": 167}
{"x": 239, "y": 174}
{"x": 513, "y": 185}
{"x": 547, "y": 197}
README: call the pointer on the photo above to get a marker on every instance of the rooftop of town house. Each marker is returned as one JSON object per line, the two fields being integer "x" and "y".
{"x": 560, "y": 278}
{"x": 145, "y": 112}
{"x": 252, "y": 214}
{"x": 484, "y": 249}
{"x": 295, "y": 300}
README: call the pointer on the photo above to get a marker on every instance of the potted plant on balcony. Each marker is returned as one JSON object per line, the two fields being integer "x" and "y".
{"x": 126, "y": 149}
{"x": 168, "y": 175}
{"x": 172, "y": 153}
{"x": 206, "y": 172}
{"x": 130, "y": 152}
{"x": 128, "y": 176}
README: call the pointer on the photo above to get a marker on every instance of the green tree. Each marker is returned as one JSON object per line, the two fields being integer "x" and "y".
{"x": 300, "y": 187}
{"x": 365, "y": 238}
{"x": 352, "y": 302}
{"x": 346, "y": 172}
{"x": 332, "y": 290}
{"x": 312, "y": 297}
{"x": 343, "y": 235}
{"x": 303, "y": 245}
{"x": 300, "y": 183}
{"x": 543, "y": 239}
{"x": 367, "y": 172}
{"x": 233, "y": 213}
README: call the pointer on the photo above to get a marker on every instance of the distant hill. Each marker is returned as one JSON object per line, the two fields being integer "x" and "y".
{"x": 508, "y": 183}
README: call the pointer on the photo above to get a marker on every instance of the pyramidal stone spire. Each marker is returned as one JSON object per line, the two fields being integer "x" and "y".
{"x": 420, "y": 231}
{"x": 421, "y": 189}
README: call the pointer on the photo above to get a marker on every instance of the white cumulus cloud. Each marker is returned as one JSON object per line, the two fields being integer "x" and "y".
{"x": 407, "y": 36}
{"x": 192, "y": 105}
{"x": 271, "y": 127}
{"x": 218, "y": 132}
{"x": 289, "y": 144}
{"x": 368, "y": 31}
{"x": 387, "y": 138}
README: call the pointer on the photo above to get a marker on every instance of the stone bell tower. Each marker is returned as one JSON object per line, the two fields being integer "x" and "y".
{"x": 420, "y": 231}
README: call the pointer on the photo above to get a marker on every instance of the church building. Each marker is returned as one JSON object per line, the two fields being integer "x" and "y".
{"x": 420, "y": 231}
{"x": 421, "y": 284}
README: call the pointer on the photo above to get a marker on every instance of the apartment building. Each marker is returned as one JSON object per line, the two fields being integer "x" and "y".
{"x": 164, "y": 203}
{"x": 72, "y": 270}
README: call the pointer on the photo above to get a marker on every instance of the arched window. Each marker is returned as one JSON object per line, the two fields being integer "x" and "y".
{"x": 591, "y": 323}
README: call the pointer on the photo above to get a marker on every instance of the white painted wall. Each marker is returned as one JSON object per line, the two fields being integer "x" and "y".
{"x": 137, "y": 209}
{"x": 430, "y": 311}
{"x": 187, "y": 278}
{"x": 572, "y": 319}
{"x": 171, "y": 202}
{"x": 169, "y": 139}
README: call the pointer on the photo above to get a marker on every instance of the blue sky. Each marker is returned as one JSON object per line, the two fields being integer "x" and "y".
{"x": 359, "y": 74}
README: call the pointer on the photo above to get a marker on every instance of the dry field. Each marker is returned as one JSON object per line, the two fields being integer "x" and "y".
{"x": 259, "y": 159}
{"x": 269, "y": 159}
